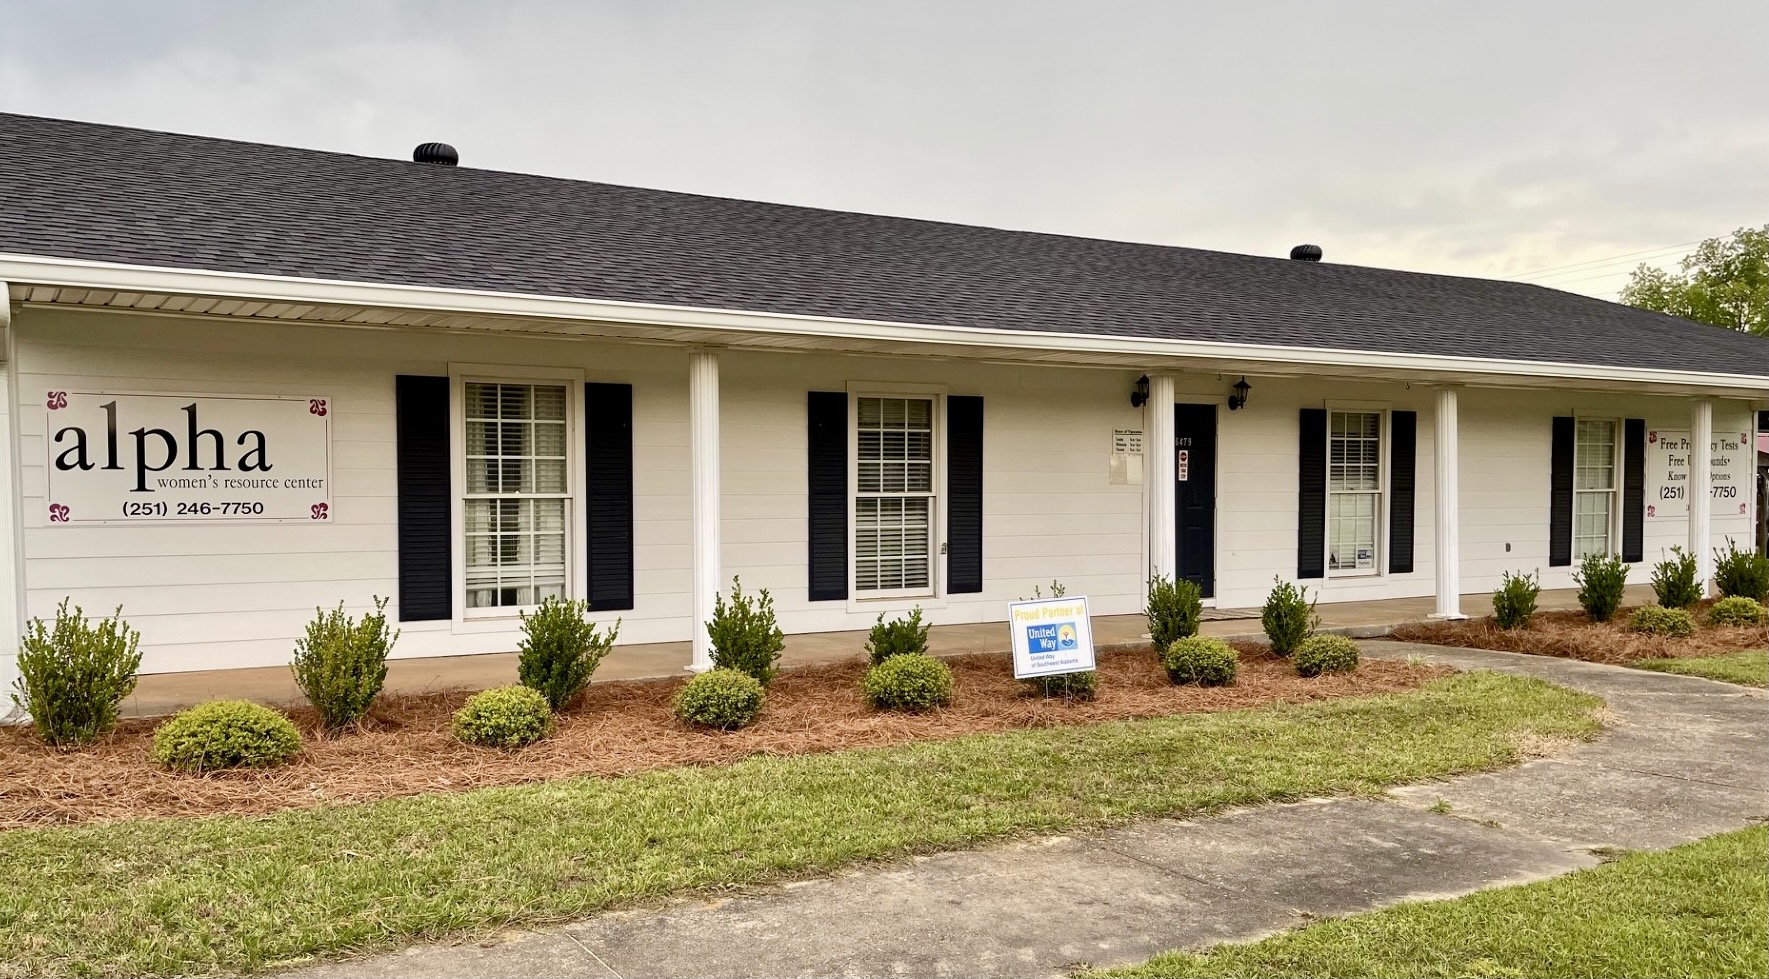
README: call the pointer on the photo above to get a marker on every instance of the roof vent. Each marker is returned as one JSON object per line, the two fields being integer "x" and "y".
{"x": 1305, "y": 253}
{"x": 441, "y": 154}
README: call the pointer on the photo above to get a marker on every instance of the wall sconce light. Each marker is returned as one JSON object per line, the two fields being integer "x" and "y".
{"x": 1140, "y": 396}
{"x": 1238, "y": 400}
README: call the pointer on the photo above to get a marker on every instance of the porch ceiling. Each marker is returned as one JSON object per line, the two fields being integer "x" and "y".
{"x": 1258, "y": 362}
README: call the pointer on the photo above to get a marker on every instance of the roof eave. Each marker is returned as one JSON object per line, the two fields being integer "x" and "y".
{"x": 704, "y": 325}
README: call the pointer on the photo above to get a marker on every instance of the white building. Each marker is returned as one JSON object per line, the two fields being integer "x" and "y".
{"x": 242, "y": 381}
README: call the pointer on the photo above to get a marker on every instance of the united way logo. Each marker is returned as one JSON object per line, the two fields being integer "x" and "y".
{"x": 1052, "y": 637}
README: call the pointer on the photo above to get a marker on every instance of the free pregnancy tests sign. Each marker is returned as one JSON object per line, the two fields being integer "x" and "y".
{"x": 1050, "y": 637}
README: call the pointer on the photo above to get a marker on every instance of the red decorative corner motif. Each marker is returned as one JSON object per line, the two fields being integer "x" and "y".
{"x": 58, "y": 513}
{"x": 316, "y": 406}
{"x": 56, "y": 400}
{"x": 320, "y": 511}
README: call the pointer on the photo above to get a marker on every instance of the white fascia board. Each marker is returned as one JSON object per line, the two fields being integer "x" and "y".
{"x": 275, "y": 288}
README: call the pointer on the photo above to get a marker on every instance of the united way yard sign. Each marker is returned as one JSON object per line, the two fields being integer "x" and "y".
{"x": 1050, "y": 637}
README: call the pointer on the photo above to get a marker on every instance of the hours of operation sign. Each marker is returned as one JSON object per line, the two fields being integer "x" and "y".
{"x": 148, "y": 458}
{"x": 1667, "y": 473}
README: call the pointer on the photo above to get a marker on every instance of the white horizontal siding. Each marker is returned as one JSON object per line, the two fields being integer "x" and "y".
{"x": 236, "y": 595}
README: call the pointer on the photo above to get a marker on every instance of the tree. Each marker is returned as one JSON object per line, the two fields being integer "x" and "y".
{"x": 1725, "y": 282}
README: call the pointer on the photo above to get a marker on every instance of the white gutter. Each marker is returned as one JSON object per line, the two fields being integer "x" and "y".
{"x": 75, "y": 273}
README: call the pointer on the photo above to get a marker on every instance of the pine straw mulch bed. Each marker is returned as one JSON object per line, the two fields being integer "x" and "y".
{"x": 1573, "y": 635}
{"x": 619, "y": 728}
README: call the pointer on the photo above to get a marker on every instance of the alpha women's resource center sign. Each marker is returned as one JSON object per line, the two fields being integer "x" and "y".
{"x": 1667, "y": 473}
{"x": 146, "y": 458}
{"x": 1050, "y": 637}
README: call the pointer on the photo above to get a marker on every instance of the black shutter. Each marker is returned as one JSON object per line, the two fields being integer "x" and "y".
{"x": 1560, "y": 495}
{"x": 1403, "y": 461}
{"x": 1311, "y": 509}
{"x": 608, "y": 471}
{"x": 1634, "y": 490}
{"x": 964, "y": 494}
{"x": 827, "y": 464}
{"x": 423, "y": 464}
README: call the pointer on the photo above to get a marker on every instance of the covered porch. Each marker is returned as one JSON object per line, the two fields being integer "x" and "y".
{"x": 164, "y": 693}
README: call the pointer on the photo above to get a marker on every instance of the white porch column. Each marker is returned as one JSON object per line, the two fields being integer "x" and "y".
{"x": 1159, "y": 491}
{"x": 11, "y": 560}
{"x": 1701, "y": 453}
{"x": 703, "y": 447}
{"x": 1446, "y": 491}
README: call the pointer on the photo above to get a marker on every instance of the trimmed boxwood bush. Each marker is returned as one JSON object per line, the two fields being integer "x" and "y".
{"x": 225, "y": 734}
{"x": 341, "y": 663}
{"x": 1174, "y": 608}
{"x": 1661, "y": 621}
{"x": 1601, "y": 578}
{"x": 898, "y": 637}
{"x": 504, "y": 717}
{"x": 1325, "y": 654}
{"x": 1068, "y": 686}
{"x": 745, "y": 636}
{"x": 561, "y": 649}
{"x": 723, "y": 698}
{"x": 1514, "y": 601}
{"x": 1674, "y": 580}
{"x": 1737, "y": 610}
{"x": 909, "y": 682}
{"x": 1744, "y": 573}
{"x": 1202, "y": 660}
{"x": 72, "y": 679}
{"x": 1288, "y": 617}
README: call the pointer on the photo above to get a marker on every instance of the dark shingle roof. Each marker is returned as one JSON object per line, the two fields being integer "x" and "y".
{"x": 104, "y": 193}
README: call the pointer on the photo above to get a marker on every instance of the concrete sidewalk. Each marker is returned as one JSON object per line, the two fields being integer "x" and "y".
{"x": 164, "y": 693}
{"x": 1686, "y": 758}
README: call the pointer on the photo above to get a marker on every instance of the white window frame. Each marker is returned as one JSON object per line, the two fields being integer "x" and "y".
{"x": 933, "y": 595}
{"x": 1618, "y": 446}
{"x": 576, "y": 572}
{"x": 1384, "y": 413}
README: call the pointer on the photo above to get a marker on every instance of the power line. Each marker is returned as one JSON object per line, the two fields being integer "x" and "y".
{"x": 1556, "y": 269}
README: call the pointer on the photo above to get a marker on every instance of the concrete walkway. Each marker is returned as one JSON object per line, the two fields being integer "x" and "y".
{"x": 1685, "y": 758}
{"x": 164, "y": 693}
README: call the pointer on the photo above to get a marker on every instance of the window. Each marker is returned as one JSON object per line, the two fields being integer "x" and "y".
{"x": 1594, "y": 487}
{"x": 894, "y": 496}
{"x": 1354, "y": 489}
{"x": 517, "y": 493}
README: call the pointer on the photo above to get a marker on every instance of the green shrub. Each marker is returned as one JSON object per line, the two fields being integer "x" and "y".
{"x": 1514, "y": 601}
{"x": 724, "y": 698}
{"x": 1288, "y": 617}
{"x": 561, "y": 649}
{"x": 1743, "y": 573}
{"x": 1674, "y": 580}
{"x": 897, "y": 637}
{"x": 225, "y": 734}
{"x": 909, "y": 682}
{"x": 72, "y": 679}
{"x": 745, "y": 636}
{"x": 1201, "y": 660}
{"x": 1174, "y": 609}
{"x": 1661, "y": 621}
{"x": 1737, "y": 610}
{"x": 1325, "y": 654}
{"x": 504, "y": 717}
{"x": 1068, "y": 686}
{"x": 341, "y": 663}
{"x": 1601, "y": 578}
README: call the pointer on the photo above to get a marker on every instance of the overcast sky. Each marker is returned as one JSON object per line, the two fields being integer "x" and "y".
{"x": 1492, "y": 138}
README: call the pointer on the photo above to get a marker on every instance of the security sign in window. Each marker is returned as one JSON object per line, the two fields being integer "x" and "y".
{"x": 1051, "y": 637}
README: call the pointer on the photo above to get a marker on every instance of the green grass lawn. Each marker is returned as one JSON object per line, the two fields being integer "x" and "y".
{"x": 1697, "y": 910}
{"x": 1749, "y": 667}
{"x": 228, "y": 894}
